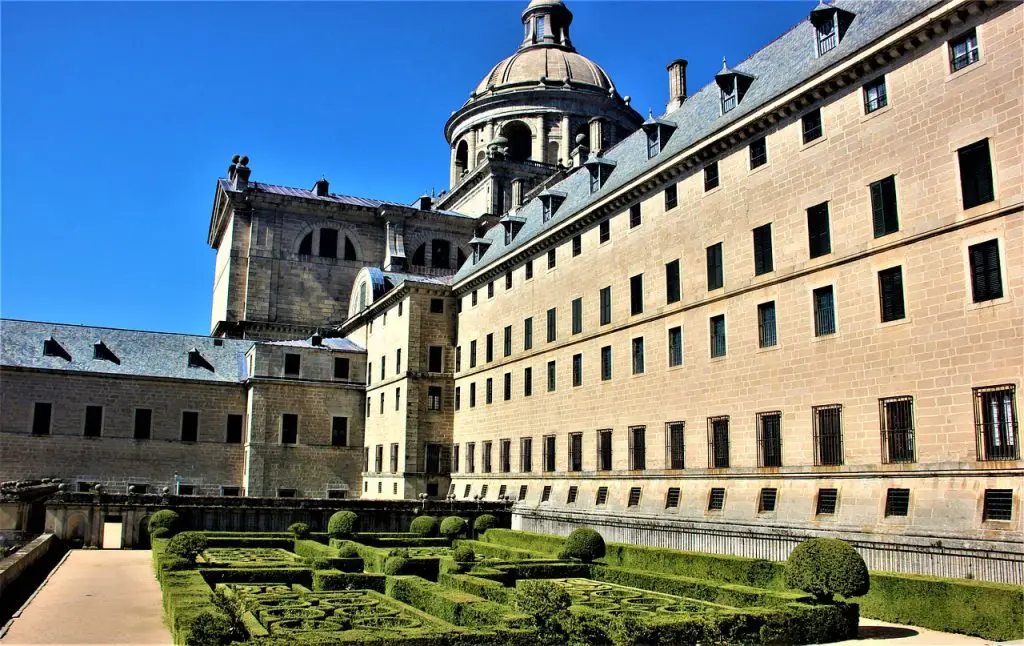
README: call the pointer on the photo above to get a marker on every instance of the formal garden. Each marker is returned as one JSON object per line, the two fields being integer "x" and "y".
{"x": 446, "y": 583}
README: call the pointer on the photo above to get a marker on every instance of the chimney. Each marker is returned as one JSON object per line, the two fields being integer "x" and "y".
{"x": 316, "y": 340}
{"x": 321, "y": 187}
{"x": 676, "y": 84}
{"x": 597, "y": 135}
{"x": 241, "y": 177}
{"x": 424, "y": 203}
{"x": 517, "y": 193}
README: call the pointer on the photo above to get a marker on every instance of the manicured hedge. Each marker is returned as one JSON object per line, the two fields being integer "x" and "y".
{"x": 758, "y": 573}
{"x": 322, "y": 557}
{"x": 285, "y": 542}
{"x": 990, "y": 610}
{"x": 546, "y": 544}
{"x": 324, "y": 580}
{"x": 483, "y": 588}
{"x": 729, "y": 594}
{"x": 186, "y": 596}
{"x": 299, "y": 575}
{"x": 394, "y": 543}
{"x": 454, "y": 606}
{"x": 500, "y": 551}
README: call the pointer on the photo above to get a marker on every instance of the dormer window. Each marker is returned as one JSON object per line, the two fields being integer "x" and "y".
{"x": 830, "y": 25}
{"x": 52, "y": 348}
{"x": 550, "y": 201}
{"x": 512, "y": 224}
{"x": 828, "y": 35}
{"x": 197, "y": 360}
{"x": 102, "y": 352}
{"x": 480, "y": 246}
{"x": 733, "y": 85}
{"x": 600, "y": 168}
{"x": 658, "y": 132}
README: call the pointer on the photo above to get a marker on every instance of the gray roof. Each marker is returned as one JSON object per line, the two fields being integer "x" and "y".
{"x": 327, "y": 343}
{"x": 141, "y": 354}
{"x": 783, "y": 64}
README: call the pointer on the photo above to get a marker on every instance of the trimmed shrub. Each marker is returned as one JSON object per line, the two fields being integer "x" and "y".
{"x": 464, "y": 554}
{"x": 548, "y": 604}
{"x": 396, "y": 565}
{"x": 453, "y": 527}
{"x": 187, "y": 545}
{"x": 164, "y": 524}
{"x": 348, "y": 551}
{"x": 424, "y": 526}
{"x": 342, "y": 524}
{"x": 584, "y": 544}
{"x": 483, "y": 523}
{"x": 825, "y": 567}
{"x": 299, "y": 530}
{"x": 326, "y": 580}
{"x": 208, "y": 629}
{"x": 586, "y": 627}
{"x": 175, "y": 563}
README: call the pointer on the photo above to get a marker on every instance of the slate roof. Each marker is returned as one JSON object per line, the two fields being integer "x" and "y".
{"x": 328, "y": 343}
{"x": 781, "y": 65}
{"x": 141, "y": 354}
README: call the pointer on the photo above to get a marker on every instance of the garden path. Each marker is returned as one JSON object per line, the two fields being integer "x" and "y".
{"x": 873, "y": 631}
{"x": 95, "y": 597}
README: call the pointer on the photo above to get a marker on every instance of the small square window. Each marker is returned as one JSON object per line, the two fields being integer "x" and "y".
{"x": 292, "y": 363}
{"x": 875, "y": 95}
{"x": 716, "y": 500}
{"x": 897, "y": 502}
{"x": 766, "y": 502}
{"x": 634, "y": 497}
{"x": 811, "y": 126}
{"x": 963, "y": 50}
{"x": 672, "y": 499}
{"x": 437, "y": 304}
{"x": 711, "y": 176}
{"x": 998, "y": 505}
{"x": 602, "y": 496}
{"x": 758, "y": 153}
{"x": 827, "y": 502}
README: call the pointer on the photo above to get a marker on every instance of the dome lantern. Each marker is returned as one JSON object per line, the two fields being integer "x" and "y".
{"x": 546, "y": 22}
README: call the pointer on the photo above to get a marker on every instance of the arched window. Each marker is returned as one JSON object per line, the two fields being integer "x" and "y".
{"x": 350, "y": 250}
{"x": 480, "y": 157}
{"x": 306, "y": 246}
{"x": 419, "y": 257}
{"x": 440, "y": 254}
{"x": 461, "y": 158}
{"x": 329, "y": 243}
{"x": 520, "y": 140}
{"x": 362, "y": 296}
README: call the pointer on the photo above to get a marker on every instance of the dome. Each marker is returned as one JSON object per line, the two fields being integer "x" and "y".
{"x": 553, "y": 65}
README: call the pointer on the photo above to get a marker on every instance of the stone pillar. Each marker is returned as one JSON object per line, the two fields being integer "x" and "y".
{"x": 597, "y": 126}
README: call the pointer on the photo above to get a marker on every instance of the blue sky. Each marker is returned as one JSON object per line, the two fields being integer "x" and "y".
{"x": 117, "y": 118}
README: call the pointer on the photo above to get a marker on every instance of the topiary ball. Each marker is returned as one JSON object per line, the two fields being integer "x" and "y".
{"x": 209, "y": 629}
{"x": 395, "y": 565}
{"x": 299, "y": 530}
{"x": 342, "y": 524}
{"x": 187, "y": 545}
{"x": 483, "y": 523}
{"x": 164, "y": 524}
{"x": 453, "y": 527}
{"x": 464, "y": 554}
{"x": 424, "y": 526}
{"x": 825, "y": 567}
{"x": 584, "y": 544}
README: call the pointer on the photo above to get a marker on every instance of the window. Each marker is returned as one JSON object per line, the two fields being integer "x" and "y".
{"x": 577, "y": 315}
{"x": 714, "y": 262}
{"x": 604, "y": 231}
{"x": 577, "y": 370}
{"x": 963, "y": 50}
{"x": 465, "y": 494}
{"x": 758, "y": 153}
{"x": 711, "y": 176}
{"x": 827, "y": 33}
{"x": 634, "y": 497}
{"x": 528, "y": 269}
{"x": 769, "y": 439}
{"x": 383, "y": 367}
{"x": 637, "y": 448}
{"x": 884, "y": 216}
{"x": 341, "y": 368}
{"x": 653, "y": 140}
{"x": 472, "y": 353}
{"x": 577, "y": 245}
{"x": 94, "y": 421}
{"x": 489, "y": 390}
{"x": 827, "y": 502}
{"x": 604, "y": 450}
{"x": 490, "y": 289}
{"x": 606, "y": 305}
{"x": 874, "y": 95}
{"x": 41, "y": 415}
{"x": 398, "y": 361}
{"x": 234, "y": 429}
{"x": 638, "y": 356}
{"x": 455, "y": 461}
{"x": 976, "y": 174}
{"x": 473, "y": 298}
{"x": 394, "y": 457}
{"x": 602, "y": 496}
{"x": 636, "y": 295}
{"x": 232, "y": 491}
{"x": 522, "y": 492}
{"x": 528, "y": 333}
{"x": 675, "y": 346}
{"x": 716, "y": 499}
{"x": 811, "y": 125}
{"x": 458, "y": 398}
{"x": 634, "y": 216}
{"x": 292, "y": 363}
{"x": 986, "y": 278}
{"x": 329, "y": 243}
{"x": 489, "y": 348}
{"x": 818, "y": 236}
{"x": 551, "y": 376}
{"x": 671, "y": 197}
{"x": 606, "y": 363}
{"x": 470, "y": 457}
{"x": 504, "y": 459}
{"x": 52, "y": 348}
{"x": 508, "y": 280}
{"x": 674, "y": 436}
{"x": 767, "y": 499}
{"x": 507, "y": 341}
{"x": 890, "y": 294}
{"x": 339, "y": 431}
{"x": 527, "y": 382}
{"x": 575, "y": 451}
{"x": 190, "y": 490}
{"x": 525, "y": 455}
{"x": 998, "y": 504}
{"x": 143, "y": 423}
{"x": 549, "y": 453}
{"x": 897, "y": 502}
{"x": 472, "y": 395}
{"x": 485, "y": 455}
{"x": 437, "y": 304}
{"x": 573, "y": 493}
{"x": 672, "y": 498}
{"x": 369, "y": 373}
{"x": 763, "y": 261}
{"x": 539, "y": 29}
{"x": 435, "y": 357}
{"x": 718, "y": 442}
{"x": 995, "y": 420}
{"x": 718, "y": 336}
{"x": 551, "y": 324}
{"x": 766, "y": 334}
{"x": 368, "y": 404}
{"x": 382, "y": 403}
{"x": 501, "y": 491}
{"x": 828, "y": 434}
{"x": 434, "y": 398}
{"x": 673, "y": 291}
{"x": 545, "y": 494}
{"x": 289, "y": 428}
{"x": 189, "y": 426}
{"x": 824, "y": 311}
{"x": 552, "y": 259}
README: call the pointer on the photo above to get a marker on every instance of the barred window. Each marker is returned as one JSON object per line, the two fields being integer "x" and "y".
{"x": 638, "y": 356}
{"x": 549, "y": 453}
{"x": 545, "y": 495}
{"x": 507, "y": 387}
{"x": 674, "y": 436}
{"x": 828, "y": 500}
{"x": 897, "y": 502}
{"x": 718, "y": 442}
{"x": 571, "y": 498}
{"x": 767, "y": 336}
{"x": 394, "y": 458}
{"x": 718, "y": 336}
{"x": 634, "y": 497}
{"x": 996, "y": 425}
{"x": 716, "y": 499}
{"x": 489, "y": 390}
{"x": 508, "y": 340}
{"x": 551, "y": 376}
{"x": 767, "y": 499}
{"x": 998, "y": 504}
{"x": 528, "y": 333}
{"x": 828, "y": 434}
{"x": 526, "y": 454}
{"x": 552, "y": 314}
{"x": 604, "y": 450}
{"x": 606, "y": 363}
{"x": 675, "y": 346}
{"x": 527, "y": 382}
{"x": 769, "y": 439}
{"x": 828, "y": 34}
{"x": 522, "y": 492}
{"x": 896, "y": 416}
{"x": 577, "y": 315}
{"x": 672, "y": 498}
{"x": 637, "y": 448}
{"x": 485, "y": 454}
{"x": 963, "y": 50}
{"x": 575, "y": 451}
{"x": 602, "y": 495}
{"x": 824, "y": 311}
{"x": 577, "y": 370}
{"x": 470, "y": 457}
{"x": 378, "y": 458}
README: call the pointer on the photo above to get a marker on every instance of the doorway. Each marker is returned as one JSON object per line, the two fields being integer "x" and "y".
{"x": 113, "y": 530}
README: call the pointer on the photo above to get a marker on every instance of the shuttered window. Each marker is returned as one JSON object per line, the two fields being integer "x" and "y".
{"x": 763, "y": 261}
{"x": 714, "y": 263}
{"x": 824, "y": 311}
{"x": 769, "y": 439}
{"x": 575, "y": 451}
{"x": 672, "y": 498}
{"x": 767, "y": 499}
{"x": 897, "y": 502}
{"x": 716, "y": 499}
{"x": 718, "y": 442}
{"x": 604, "y": 450}
{"x": 674, "y": 434}
{"x": 828, "y": 500}
{"x": 890, "y": 294}
{"x": 828, "y": 434}
{"x": 976, "y": 174}
{"x": 986, "y": 278}
{"x": 673, "y": 292}
{"x": 606, "y": 305}
{"x": 884, "y": 216}
{"x": 634, "y": 497}
{"x": 602, "y": 495}
{"x": 819, "y": 237}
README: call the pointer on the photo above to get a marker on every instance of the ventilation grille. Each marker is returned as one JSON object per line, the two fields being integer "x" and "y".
{"x": 483, "y": 491}
{"x": 602, "y": 495}
{"x": 546, "y": 494}
{"x": 716, "y": 501}
{"x": 768, "y": 498}
{"x": 672, "y": 499}
{"x": 573, "y": 491}
{"x": 897, "y": 502}
{"x": 522, "y": 492}
{"x": 634, "y": 497}
{"x": 827, "y": 499}
{"x": 998, "y": 504}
